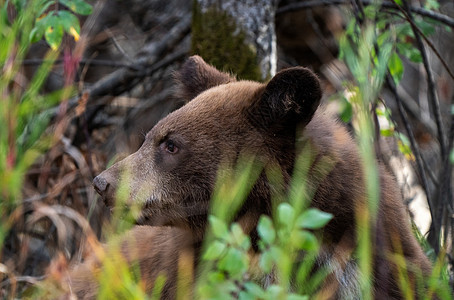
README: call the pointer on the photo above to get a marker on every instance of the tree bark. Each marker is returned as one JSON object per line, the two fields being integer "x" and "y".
{"x": 254, "y": 19}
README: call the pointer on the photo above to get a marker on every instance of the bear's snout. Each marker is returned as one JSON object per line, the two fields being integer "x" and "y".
{"x": 100, "y": 184}
{"x": 104, "y": 188}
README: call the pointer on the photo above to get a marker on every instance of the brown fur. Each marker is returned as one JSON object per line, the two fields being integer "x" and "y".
{"x": 270, "y": 121}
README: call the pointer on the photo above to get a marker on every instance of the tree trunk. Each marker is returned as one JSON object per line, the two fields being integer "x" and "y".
{"x": 236, "y": 36}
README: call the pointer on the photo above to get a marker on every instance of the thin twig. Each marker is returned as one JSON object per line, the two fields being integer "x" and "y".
{"x": 431, "y": 174}
{"x": 413, "y": 108}
{"x": 163, "y": 63}
{"x": 418, "y": 34}
{"x": 323, "y": 49}
{"x": 118, "y": 81}
{"x": 112, "y": 83}
{"x": 27, "y": 279}
{"x": 446, "y": 178}
{"x": 386, "y": 4}
{"x": 450, "y": 191}
{"x": 147, "y": 71}
{"x": 423, "y": 12}
{"x": 442, "y": 202}
{"x": 117, "y": 45}
{"x": 42, "y": 211}
{"x": 82, "y": 62}
{"x": 414, "y": 146}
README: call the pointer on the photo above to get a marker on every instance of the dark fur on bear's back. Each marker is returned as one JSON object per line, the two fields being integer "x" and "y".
{"x": 174, "y": 172}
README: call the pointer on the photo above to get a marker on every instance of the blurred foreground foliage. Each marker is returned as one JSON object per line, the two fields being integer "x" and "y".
{"x": 372, "y": 51}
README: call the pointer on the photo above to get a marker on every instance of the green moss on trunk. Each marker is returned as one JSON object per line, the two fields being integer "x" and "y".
{"x": 221, "y": 42}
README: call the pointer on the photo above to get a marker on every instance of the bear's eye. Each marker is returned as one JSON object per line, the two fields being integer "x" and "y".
{"x": 170, "y": 147}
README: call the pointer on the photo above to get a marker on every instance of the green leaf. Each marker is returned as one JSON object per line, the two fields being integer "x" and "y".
{"x": 78, "y": 6}
{"x": 370, "y": 12}
{"x": 45, "y": 7}
{"x": 4, "y": 20}
{"x": 426, "y": 27}
{"x": 404, "y": 31}
{"x": 387, "y": 132}
{"x": 403, "y": 138}
{"x": 384, "y": 112}
{"x": 216, "y": 276}
{"x": 235, "y": 262}
{"x": 305, "y": 240}
{"x": 20, "y": 5}
{"x": 285, "y": 213}
{"x": 38, "y": 31}
{"x": 36, "y": 34}
{"x": 396, "y": 68}
{"x": 313, "y": 218}
{"x": 214, "y": 251}
{"x": 404, "y": 149}
{"x": 275, "y": 291}
{"x": 266, "y": 230}
{"x": 69, "y": 20}
{"x": 158, "y": 286}
{"x": 297, "y": 297}
{"x": 53, "y": 32}
{"x": 255, "y": 289}
{"x": 219, "y": 227}
{"x": 383, "y": 38}
{"x": 266, "y": 261}
{"x": 431, "y": 5}
{"x": 410, "y": 51}
{"x": 451, "y": 156}
{"x": 346, "y": 110}
{"x": 32, "y": 133}
{"x": 237, "y": 233}
{"x": 244, "y": 295}
{"x": 239, "y": 238}
{"x": 404, "y": 146}
{"x": 415, "y": 56}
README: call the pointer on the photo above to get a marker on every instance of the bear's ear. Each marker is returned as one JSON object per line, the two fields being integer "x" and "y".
{"x": 196, "y": 76}
{"x": 289, "y": 99}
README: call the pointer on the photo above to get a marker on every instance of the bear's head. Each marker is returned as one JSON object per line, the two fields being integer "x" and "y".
{"x": 174, "y": 172}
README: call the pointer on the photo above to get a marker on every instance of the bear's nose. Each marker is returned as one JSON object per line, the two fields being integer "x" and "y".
{"x": 100, "y": 184}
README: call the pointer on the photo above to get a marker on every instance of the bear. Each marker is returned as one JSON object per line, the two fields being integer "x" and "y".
{"x": 173, "y": 175}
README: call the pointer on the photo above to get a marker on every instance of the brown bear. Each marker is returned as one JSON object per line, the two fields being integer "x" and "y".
{"x": 174, "y": 172}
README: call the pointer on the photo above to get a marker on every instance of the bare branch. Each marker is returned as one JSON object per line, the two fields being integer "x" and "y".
{"x": 96, "y": 62}
{"x": 27, "y": 279}
{"x": 117, "y": 45}
{"x": 418, "y": 34}
{"x": 414, "y": 110}
{"x": 442, "y": 200}
{"x": 116, "y": 82}
{"x": 415, "y": 148}
{"x": 386, "y": 4}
